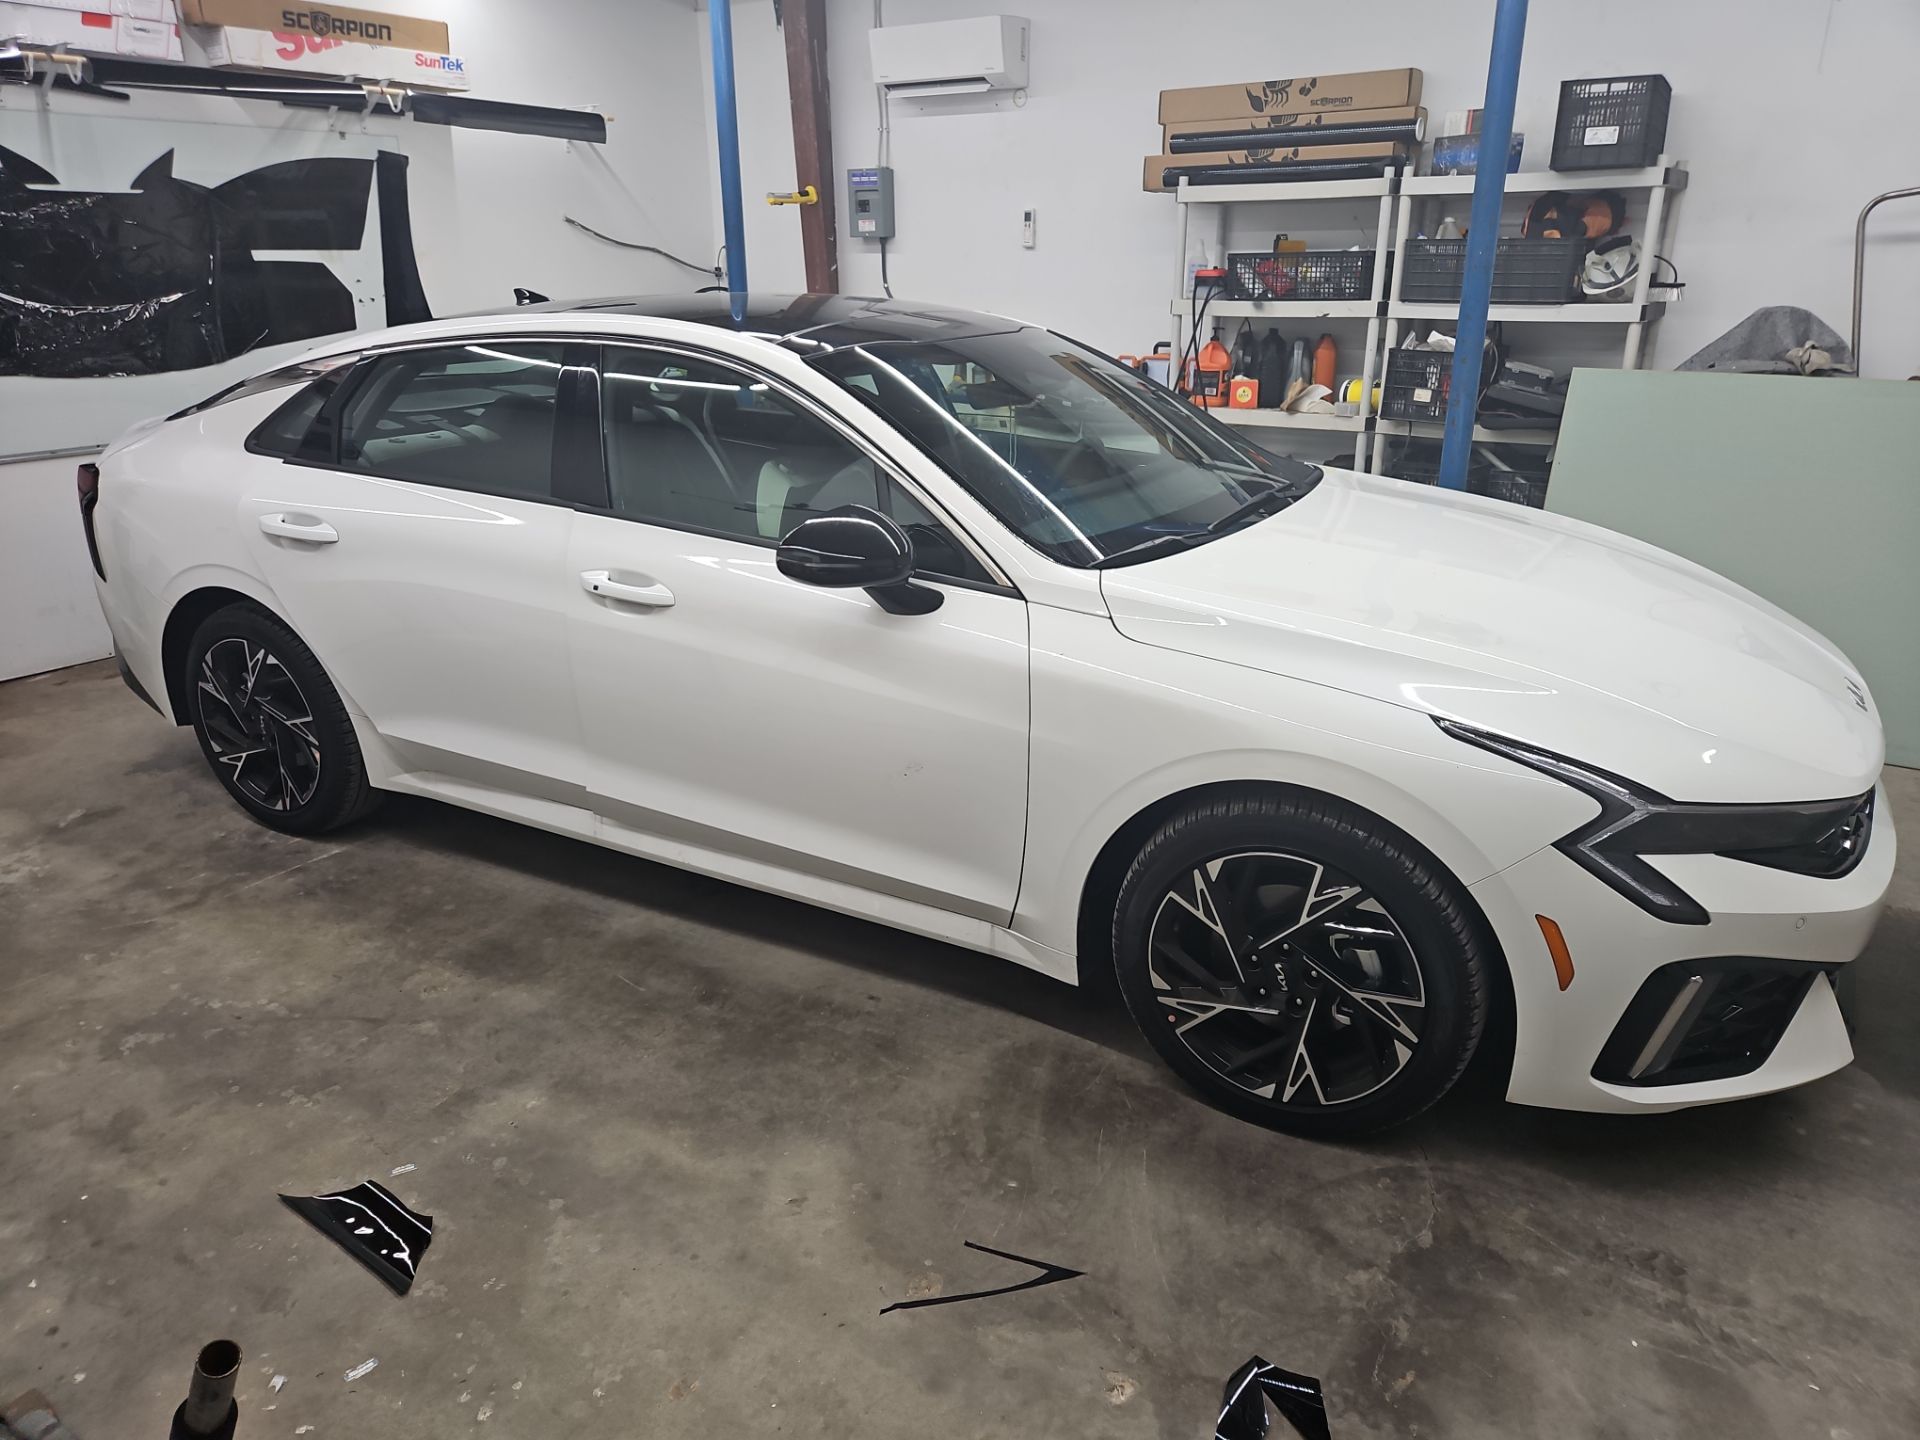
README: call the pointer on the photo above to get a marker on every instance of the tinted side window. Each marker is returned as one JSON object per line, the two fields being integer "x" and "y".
{"x": 282, "y": 431}
{"x": 704, "y": 447}
{"x": 478, "y": 416}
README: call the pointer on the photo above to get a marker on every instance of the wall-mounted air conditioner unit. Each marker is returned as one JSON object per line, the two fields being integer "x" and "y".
{"x": 951, "y": 57}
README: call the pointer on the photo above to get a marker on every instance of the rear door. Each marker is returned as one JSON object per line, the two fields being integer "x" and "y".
{"x": 418, "y": 537}
{"x": 729, "y": 707}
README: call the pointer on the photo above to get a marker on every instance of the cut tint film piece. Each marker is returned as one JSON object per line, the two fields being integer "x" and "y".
{"x": 370, "y": 1224}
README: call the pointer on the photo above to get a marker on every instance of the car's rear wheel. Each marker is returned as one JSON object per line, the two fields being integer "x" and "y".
{"x": 272, "y": 726}
{"x": 1301, "y": 963}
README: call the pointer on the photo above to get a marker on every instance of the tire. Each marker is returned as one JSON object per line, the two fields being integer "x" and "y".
{"x": 1354, "y": 989}
{"x": 273, "y": 728}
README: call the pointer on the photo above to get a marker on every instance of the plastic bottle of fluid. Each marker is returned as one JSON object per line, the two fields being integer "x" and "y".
{"x": 1273, "y": 370}
{"x": 1325, "y": 355}
{"x": 1246, "y": 355}
{"x": 1198, "y": 258}
{"x": 1207, "y": 382}
{"x": 1299, "y": 369}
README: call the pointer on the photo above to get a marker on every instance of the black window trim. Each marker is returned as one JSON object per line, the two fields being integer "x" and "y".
{"x": 569, "y": 414}
{"x": 344, "y": 379}
{"x": 781, "y": 388}
{"x": 569, "y": 423}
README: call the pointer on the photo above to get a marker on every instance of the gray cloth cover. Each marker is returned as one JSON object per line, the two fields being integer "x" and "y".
{"x": 1761, "y": 342}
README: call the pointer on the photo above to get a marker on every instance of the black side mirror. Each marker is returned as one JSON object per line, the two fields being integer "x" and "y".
{"x": 855, "y": 547}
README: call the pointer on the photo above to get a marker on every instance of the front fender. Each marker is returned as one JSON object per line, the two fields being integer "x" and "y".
{"x": 1119, "y": 727}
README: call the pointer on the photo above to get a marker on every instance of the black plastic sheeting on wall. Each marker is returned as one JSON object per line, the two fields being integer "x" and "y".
{"x": 162, "y": 276}
{"x": 406, "y": 297}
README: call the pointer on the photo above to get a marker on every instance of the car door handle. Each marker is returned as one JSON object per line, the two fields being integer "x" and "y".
{"x": 299, "y": 527}
{"x": 600, "y": 582}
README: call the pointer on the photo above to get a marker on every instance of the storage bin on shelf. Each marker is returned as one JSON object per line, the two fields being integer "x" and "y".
{"x": 1608, "y": 124}
{"x": 1300, "y": 275}
{"x": 1525, "y": 271}
{"x": 1415, "y": 385}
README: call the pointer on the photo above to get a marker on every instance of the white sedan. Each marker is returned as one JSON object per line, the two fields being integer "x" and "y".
{"x": 951, "y": 623}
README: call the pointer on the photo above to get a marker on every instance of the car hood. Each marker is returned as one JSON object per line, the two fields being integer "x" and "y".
{"x": 1550, "y": 630}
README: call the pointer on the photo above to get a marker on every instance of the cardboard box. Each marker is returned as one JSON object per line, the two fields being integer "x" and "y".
{"x": 135, "y": 9}
{"x": 92, "y": 31}
{"x": 1304, "y": 94}
{"x": 1266, "y": 129}
{"x": 228, "y": 48}
{"x": 322, "y": 22}
{"x": 1153, "y": 176}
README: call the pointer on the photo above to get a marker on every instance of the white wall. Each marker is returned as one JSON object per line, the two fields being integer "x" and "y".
{"x": 636, "y": 60}
{"x": 486, "y": 212}
{"x": 1791, "y": 114}
{"x": 48, "y": 614}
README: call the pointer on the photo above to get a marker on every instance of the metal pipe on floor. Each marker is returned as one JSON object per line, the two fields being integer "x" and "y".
{"x": 1483, "y": 239}
{"x": 727, "y": 125}
{"x": 1860, "y": 259}
{"x": 209, "y": 1411}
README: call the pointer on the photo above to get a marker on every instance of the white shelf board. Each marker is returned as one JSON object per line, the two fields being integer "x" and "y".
{"x": 1434, "y": 429}
{"x": 1191, "y": 194}
{"x": 1538, "y": 182}
{"x": 1278, "y": 309}
{"x": 1605, "y": 313}
{"x": 1282, "y": 420}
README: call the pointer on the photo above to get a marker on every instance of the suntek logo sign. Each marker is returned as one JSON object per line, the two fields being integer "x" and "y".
{"x": 453, "y": 64}
{"x": 325, "y": 25}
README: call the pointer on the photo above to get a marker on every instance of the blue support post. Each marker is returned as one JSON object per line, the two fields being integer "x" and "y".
{"x": 1483, "y": 237}
{"x": 727, "y": 124}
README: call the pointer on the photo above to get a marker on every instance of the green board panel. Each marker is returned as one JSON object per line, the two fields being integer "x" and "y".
{"x": 1805, "y": 491}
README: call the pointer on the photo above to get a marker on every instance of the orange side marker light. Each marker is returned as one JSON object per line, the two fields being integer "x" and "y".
{"x": 1557, "y": 948}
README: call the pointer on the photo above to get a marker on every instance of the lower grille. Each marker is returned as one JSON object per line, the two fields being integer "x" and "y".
{"x": 1705, "y": 1020}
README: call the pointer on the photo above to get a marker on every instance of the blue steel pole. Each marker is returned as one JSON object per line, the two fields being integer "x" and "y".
{"x": 727, "y": 118}
{"x": 1483, "y": 235}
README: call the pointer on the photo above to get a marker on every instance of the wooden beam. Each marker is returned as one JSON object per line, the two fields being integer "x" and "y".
{"x": 804, "y": 23}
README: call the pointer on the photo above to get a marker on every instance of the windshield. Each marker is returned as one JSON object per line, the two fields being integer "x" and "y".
{"x": 1087, "y": 461}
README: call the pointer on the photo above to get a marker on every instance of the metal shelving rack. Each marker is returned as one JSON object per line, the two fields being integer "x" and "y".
{"x": 1660, "y": 181}
{"x": 1372, "y": 309}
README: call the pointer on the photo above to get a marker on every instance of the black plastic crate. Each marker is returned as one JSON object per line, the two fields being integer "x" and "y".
{"x": 1617, "y": 123}
{"x": 1415, "y": 385}
{"x": 1301, "y": 275}
{"x": 1511, "y": 485}
{"x": 1525, "y": 271}
{"x": 1419, "y": 462}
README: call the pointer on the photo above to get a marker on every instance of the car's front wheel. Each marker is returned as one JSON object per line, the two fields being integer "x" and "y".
{"x": 1300, "y": 963}
{"x": 271, "y": 724}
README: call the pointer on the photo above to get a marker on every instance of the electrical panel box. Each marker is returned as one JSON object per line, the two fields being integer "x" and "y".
{"x": 870, "y": 202}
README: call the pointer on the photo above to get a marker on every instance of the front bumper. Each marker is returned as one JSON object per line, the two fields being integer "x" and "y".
{"x": 1562, "y": 1057}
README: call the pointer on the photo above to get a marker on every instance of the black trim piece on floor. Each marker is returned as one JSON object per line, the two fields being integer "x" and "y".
{"x": 1049, "y": 1275}
{"x": 1298, "y": 1398}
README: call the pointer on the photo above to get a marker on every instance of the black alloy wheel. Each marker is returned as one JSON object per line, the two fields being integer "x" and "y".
{"x": 271, "y": 724}
{"x": 1301, "y": 963}
{"x": 259, "y": 726}
{"x": 1286, "y": 979}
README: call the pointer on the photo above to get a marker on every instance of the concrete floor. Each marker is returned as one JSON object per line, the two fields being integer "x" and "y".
{"x": 683, "y": 1142}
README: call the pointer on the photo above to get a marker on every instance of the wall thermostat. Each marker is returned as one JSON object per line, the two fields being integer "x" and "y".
{"x": 870, "y": 202}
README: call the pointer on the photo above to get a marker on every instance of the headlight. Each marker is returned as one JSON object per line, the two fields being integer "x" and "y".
{"x": 1824, "y": 838}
